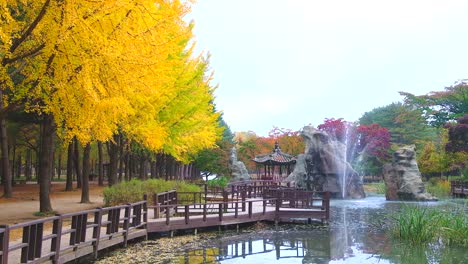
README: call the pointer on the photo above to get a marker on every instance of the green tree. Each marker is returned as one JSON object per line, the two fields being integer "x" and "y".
{"x": 404, "y": 122}
{"x": 439, "y": 107}
{"x": 216, "y": 160}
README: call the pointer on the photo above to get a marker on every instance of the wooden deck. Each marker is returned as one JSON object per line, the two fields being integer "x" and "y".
{"x": 67, "y": 237}
{"x": 459, "y": 188}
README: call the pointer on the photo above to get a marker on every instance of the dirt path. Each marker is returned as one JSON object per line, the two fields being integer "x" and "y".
{"x": 25, "y": 201}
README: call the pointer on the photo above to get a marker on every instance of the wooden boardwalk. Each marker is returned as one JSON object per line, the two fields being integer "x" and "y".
{"x": 66, "y": 237}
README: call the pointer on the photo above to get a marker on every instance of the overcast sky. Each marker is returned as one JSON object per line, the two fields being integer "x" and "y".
{"x": 290, "y": 63}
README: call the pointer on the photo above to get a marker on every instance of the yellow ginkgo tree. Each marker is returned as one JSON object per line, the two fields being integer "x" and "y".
{"x": 92, "y": 68}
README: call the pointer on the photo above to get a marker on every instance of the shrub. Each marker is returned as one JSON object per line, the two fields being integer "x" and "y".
{"x": 220, "y": 182}
{"x": 133, "y": 191}
{"x": 438, "y": 188}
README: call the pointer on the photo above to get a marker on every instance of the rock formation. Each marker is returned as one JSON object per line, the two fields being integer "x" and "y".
{"x": 238, "y": 170}
{"x": 323, "y": 167}
{"x": 403, "y": 179}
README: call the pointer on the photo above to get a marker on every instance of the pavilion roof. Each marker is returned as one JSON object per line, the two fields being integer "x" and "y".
{"x": 277, "y": 157}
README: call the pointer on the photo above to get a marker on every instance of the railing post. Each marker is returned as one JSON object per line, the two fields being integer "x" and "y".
{"x": 220, "y": 212}
{"x": 225, "y": 200}
{"x": 278, "y": 204}
{"x": 264, "y": 206}
{"x": 250, "y": 209}
{"x": 326, "y": 197}
{"x": 167, "y": 214}
{"x": 243, "y": 197}
{"x": 186, "y": 214}
{"x": 236, "y": 210}
{"x": 97, "y": 231}
{"x": 56, "y": 241}
{"x": 176, "y": 201}
{"x": 4, "y": 243}
{"x": 204, "y": 212}
{"x": 126, "y": 223}
{"x": 157, "y": 212}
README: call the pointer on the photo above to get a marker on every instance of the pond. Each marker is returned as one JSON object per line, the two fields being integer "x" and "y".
{"x": 357, "y": 233}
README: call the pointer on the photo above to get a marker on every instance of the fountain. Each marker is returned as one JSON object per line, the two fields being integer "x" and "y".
{"x": 324, "y": 167}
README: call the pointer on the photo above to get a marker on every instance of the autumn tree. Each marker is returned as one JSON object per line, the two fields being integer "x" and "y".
{"x": 335, "y": 128}
{"x": 290, "y": 141}
{"x": 373, "y": 146}
{"x": 92, "y": 69}
{"x": 457, "y": 143}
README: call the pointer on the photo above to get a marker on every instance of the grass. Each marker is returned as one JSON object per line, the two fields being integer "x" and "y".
{"x": 376, "y": 187}
{"x": 422, "y": 225}
{"x": 45, "y": 214}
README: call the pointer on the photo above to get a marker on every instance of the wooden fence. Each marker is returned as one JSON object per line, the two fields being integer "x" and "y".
{"x": 73, "y": 235}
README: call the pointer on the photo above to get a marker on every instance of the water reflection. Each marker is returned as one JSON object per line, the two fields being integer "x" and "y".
{"x": 358, "y": 233}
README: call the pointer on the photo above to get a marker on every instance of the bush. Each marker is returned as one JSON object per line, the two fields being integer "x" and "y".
{"x": 133, "y": 191}
{"x": 438, "y": 188}
{"x": 220, "y": 182}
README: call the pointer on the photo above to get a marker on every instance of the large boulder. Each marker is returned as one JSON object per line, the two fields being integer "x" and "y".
{"x": 402, "y": 178}
{"x": 324, "y": 167}
{"x": 238, "y": 170}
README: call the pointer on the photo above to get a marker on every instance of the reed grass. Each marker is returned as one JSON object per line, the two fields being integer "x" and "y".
{"x": 421, "y": 225}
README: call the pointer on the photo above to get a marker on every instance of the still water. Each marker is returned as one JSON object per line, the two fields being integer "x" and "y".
{"x": 357, "y": 233}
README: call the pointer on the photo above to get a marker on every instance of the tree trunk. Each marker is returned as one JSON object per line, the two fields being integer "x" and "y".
{"x": 59, "y": 165}
{"x": 85, "y": 176}
{"x": 113, "y": 150}
{"x": 45, "y": 163}
{"x": 100, "y": 165}
{"x": 19, "y": 163}
{"x": 153, "y": 169}
{"x": 76, "y": 159}
{"x": 121, "y": 159}
{"x": 6, "y": 173}
{"x": 13, "y": 162}
{"x": 69, "y": 183}
{"x": 143, "y": 173}
{"x": 127, "y": 166}
{"x": 28, "y": 168}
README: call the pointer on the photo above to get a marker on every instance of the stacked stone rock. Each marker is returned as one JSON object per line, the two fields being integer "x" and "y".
{"x": 403, "y": 179}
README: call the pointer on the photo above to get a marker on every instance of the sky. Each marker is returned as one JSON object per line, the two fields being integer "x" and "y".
{"x": 291, "y": 63}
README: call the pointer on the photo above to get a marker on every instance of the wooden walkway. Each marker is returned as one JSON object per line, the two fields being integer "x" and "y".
{"x": 66, "y": 237}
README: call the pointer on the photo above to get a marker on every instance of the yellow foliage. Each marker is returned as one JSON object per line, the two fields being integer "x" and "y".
{"x": 103, "y": 66}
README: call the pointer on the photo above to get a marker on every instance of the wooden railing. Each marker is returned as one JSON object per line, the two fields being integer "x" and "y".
{"x": 66, "y": 237}
{"x": 459, "y": 188}
{"x": 72, "y": 235}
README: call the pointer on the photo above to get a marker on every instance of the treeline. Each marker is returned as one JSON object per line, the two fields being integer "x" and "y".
{"x": 115, "y": 78}
{"x": 437, "y": 123}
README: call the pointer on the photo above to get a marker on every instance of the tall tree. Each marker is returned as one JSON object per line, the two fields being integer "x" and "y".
{"x": 442, "y": 106}
{"x": 405, "y": 123}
